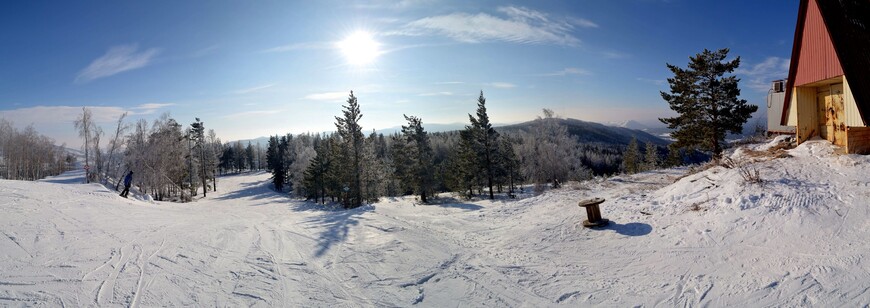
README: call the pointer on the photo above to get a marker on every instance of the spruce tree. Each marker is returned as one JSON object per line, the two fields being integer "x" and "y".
{"x": 422, "y": 169}
{"x": 197, "y": 130}
{"x": 652, "y": 156}
{"x": 353, "y": 142}
{"x": 706, "y": 102}
{"x": 484, "y": 142}
{"x": 631, "y": 157}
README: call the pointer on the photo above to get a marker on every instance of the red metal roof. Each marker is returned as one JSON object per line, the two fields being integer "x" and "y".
{"x": 832, "y": 37}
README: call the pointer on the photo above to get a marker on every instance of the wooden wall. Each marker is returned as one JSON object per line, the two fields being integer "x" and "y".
{"x": 804, "y": 99}
{"x": 853, "y": 116}
{"x": 858, "y": 140}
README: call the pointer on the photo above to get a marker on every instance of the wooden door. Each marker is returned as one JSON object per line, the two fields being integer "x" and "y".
{"x": 832, "y": 118}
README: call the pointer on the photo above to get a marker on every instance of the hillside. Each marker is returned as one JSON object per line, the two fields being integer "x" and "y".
{"x": 591, "y": 132}
{"x": 707, "y": 238}
{"x": 587, "y": 132}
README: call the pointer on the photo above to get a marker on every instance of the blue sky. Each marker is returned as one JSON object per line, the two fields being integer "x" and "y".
{"x": 255, "y": 68}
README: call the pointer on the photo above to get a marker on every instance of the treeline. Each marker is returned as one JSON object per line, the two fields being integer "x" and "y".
{"x": 169, "y": 161}
{"x": 351, "y": 168}
{"x": 236, "y": 157}
{"x": 28, "y": 155}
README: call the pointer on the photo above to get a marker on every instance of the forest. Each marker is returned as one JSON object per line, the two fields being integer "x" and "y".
{"x": 177, "y": 162}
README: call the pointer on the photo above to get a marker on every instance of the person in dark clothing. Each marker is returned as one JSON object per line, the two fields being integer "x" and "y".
{"x": 127, "y": 181}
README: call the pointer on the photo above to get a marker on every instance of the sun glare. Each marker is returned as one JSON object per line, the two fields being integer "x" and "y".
{"x": 359, "y": 48}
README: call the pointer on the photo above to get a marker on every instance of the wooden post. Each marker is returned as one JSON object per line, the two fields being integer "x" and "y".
{"x": 593, "y": 213}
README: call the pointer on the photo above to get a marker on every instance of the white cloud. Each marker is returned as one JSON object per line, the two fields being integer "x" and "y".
{"x": 569, "y": 71}
{"x": 149, "y": 108}
{"x": 118, "y": 59}
{"x": 759, "y": 76}
{"x": 450, "y": 82}
{"x": 57, "y": 121}
{"x": 327, "y": 96}
{"x": 521, "y": 25}
{"x": 583, "y": 22}
{"x": 251, "y": 113}
{"x": 501, "y": 85}
{"x": 437, "y": 94}
{"x": 152, "y": 106}
{"x": 253, "y": 89}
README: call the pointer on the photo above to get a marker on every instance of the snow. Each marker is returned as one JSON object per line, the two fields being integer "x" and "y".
{"x": 676, "y": 238}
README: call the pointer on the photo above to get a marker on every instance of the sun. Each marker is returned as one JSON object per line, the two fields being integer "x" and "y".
{"x": 359, "y": 48}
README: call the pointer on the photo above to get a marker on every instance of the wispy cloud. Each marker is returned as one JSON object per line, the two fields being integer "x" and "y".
{"x": 583, "y": 22}
{"x": 450, "y": 82}
{"x": 501, "y": 85}
{"x": 759, "y": 76}
{"x": 150, "y": 108}
{"x": 254, "y": 89}
{"x": 436, "y": 94}
{"x": 247, "y": 114}
{"x": 517, "y": 25}
{"x": 118, "y": 59}
{"x": 568, "y": 71}
{"x": 327, "y": 96}
{"x": 392, "y": 4}
{"x": 300, "y": 46}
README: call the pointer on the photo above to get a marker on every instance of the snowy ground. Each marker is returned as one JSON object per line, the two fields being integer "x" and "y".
{"x": 798, "y": 238}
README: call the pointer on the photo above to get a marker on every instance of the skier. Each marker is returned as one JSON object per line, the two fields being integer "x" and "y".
{"x": 127, "y": 181}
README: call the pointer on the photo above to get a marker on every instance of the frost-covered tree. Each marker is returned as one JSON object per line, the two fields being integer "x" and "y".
{"x": 85, "y": 126}
{"x": 549, "y": 153}
{"x": 113, "y": 160}
{"x": 706, "y": 101}
{"x": 651, "y": 157}
{"x": 28, "y": 155}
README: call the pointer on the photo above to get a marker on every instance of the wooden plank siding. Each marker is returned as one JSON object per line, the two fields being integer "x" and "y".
{"x": 853, "y": 116}
{"x": 807, "y": 113}
{"x": 858, "y": 140}
{"x": 817, "y": 60}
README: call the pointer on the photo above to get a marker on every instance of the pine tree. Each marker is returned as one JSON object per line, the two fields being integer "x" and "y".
{"x": 631, "y": 158}
{"x": 652, "y": 156}
{"x": 421, "y": 154}
{"x": 707, "y": 103}
{"x": 353, "y": 143}
{"x": 275, "y": 160}
{"x": 484, "y": 142}
{"x": 509, "y": 164}
{"x": 198, "y": 134}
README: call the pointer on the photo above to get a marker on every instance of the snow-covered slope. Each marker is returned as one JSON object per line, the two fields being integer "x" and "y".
{"x": 709, "y": 238}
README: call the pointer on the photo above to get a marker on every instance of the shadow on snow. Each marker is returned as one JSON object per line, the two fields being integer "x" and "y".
{"x": 629, "y": 229}
{"x": 336, "y": 223}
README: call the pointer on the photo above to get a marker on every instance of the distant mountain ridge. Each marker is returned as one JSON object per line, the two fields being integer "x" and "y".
{"x": 591, "y": 132}
{"x": 586, "y": 132}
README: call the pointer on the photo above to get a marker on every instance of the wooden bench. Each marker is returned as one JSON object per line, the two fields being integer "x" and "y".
{"x": 593, "y": 213}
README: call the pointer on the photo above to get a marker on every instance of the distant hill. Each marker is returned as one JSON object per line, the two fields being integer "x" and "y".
{"x": 591, "y": 132}
{"x": 587, "y": 132}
